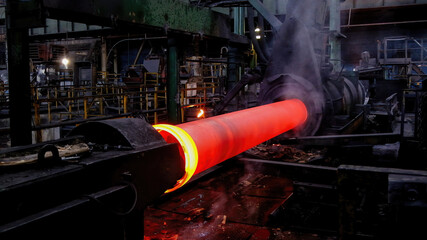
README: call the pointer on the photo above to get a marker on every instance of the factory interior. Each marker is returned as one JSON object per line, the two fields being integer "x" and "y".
{"x": 213, "y": 119}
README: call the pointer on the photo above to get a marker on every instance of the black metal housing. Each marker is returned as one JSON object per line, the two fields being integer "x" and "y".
{"x": 102, "y": 196}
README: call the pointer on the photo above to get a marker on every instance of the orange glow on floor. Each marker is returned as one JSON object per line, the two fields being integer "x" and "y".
{"x": 208, "y": 142}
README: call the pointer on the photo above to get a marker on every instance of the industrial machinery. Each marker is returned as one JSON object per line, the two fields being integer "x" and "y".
{"x": 99, "y": 193}
{"x": 126, "y": 164}
{"x": 96, "y": 183}
{"x": 295, "y": 71}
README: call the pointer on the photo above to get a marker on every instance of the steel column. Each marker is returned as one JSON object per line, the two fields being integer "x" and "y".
{"x": 104, "y": 57}
{"x": 19, "y": 86}
{"x": 20, "y": 16}
{"x": 172, "y": 83}
{"x": 335, "y": 29}
{"x": 233, "y": 70}
{"x": 239, "y": 20}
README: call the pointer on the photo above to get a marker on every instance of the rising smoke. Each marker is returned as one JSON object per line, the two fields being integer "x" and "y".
{"x": 294, "y": 67}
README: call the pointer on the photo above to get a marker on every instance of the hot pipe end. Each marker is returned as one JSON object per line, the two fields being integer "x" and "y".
{"x": 188, "y": 150}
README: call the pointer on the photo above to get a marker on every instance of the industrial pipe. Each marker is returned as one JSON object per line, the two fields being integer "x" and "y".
{"x": 208, "y": 142}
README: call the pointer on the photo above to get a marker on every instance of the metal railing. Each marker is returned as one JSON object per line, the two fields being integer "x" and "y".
{"x": 100, "y": 98}
{"x": 403, "y": 48}
{"x": 60, "y": 106}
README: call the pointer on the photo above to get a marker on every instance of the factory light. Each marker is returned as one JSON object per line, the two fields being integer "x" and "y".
{"x": 65, "y": 61}
{"x": 257, "y": 30}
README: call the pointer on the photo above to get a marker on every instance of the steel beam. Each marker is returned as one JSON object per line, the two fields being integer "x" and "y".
{"x": 259, "y": 6}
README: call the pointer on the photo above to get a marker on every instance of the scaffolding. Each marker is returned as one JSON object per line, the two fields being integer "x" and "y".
{"x": 404, "y": 58}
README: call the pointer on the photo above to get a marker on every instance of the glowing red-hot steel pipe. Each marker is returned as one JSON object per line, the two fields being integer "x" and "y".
{"x": 208, "y": 142}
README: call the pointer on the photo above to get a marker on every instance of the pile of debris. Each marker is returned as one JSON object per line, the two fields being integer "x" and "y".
{"x": 282, "y": 152}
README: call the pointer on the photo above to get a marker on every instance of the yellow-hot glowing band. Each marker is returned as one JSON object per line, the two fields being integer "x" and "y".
{"x": 188, "y": 147}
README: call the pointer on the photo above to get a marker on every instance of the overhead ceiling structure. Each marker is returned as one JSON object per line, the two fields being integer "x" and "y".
{"x": 164, "y": 14}
{"x": 384, "y": 15}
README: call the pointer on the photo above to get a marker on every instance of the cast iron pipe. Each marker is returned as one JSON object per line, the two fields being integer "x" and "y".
{"x": 208, "y": 142}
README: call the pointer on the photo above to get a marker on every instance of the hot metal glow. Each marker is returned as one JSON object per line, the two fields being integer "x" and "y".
{"x": 210, "y": 141}
{"x": 201, "y": 113}
{"x": 189, "y": 150}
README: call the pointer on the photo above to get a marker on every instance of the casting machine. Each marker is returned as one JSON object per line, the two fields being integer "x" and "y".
{"x": 100, "y": 190}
